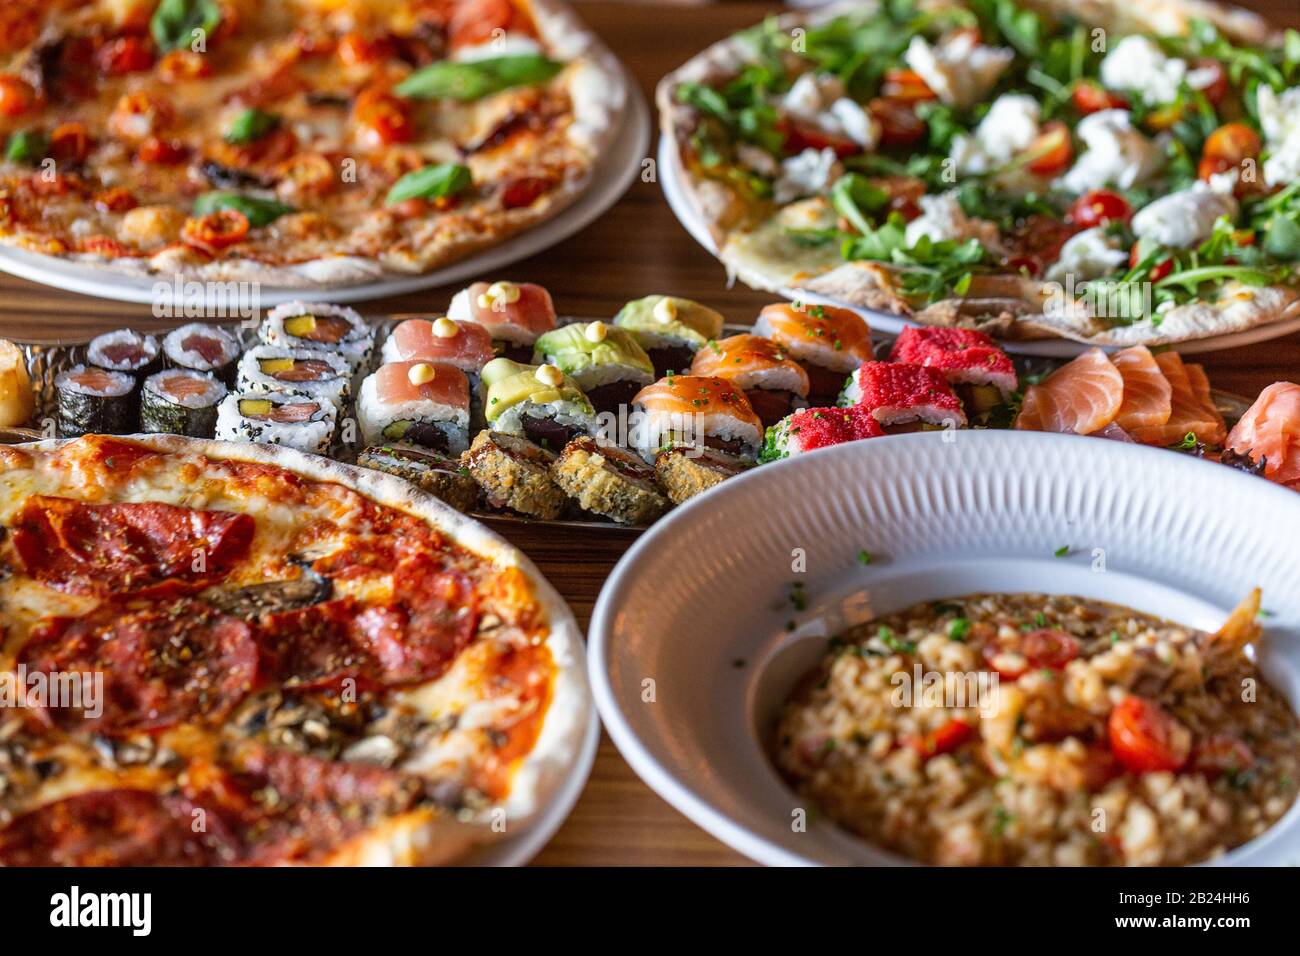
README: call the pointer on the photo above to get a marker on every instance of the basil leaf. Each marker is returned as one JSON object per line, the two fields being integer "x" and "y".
{"x": 260, "y": 212}
{"x": 474, "y": 79}
{"x": 26, "y": 146}
{"x": 431, "y": 182}
{"x": 251, "y": 125}
{"x": 174, "y": 22}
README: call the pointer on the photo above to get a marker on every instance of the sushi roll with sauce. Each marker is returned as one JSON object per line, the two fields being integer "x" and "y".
{"x": 123, "y": 351}
{"x": 981, "y": 373}
{"x": 178, "y": 401}
{"x": 829, "y": 343}
{"x": 698, "y": 412}
{"x": 203, "y": 348}
{"x": 809, "y": 429}
{"x": 443, "y": 477}
{"x": 606, "y": 362}
{"x": 465, "y": 345}
{"x": 538, "y": 402}
{"x": 95, "y": 400}
{"x": 609, "y": 480}
{"x": 684, "y": 472}
{"x": 514, "y": 313}
{"x": 423, "y": 403}
{"x": 17, "y": 400}
{"x": 316, "y": 325}
{"x": 310, "y": 372}
{"x": 274, "y": 418}
{"x": 901, "y": 394}
{"x": 515, "y": 473}
{"x": 773, "y": 382}
{"x": 671, "y": 330}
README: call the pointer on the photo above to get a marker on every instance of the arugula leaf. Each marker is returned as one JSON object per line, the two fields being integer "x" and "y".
{"x": 258, "y": 211}
{"x": 877, "y": 244}
{"x": 1017, "y": 26}
{"x": 26, "y": 146}
{"x": 431, "y": 182}
{"x": 1282, "y": 237}
{"x": 1291, "y": 55}
{"x": 855, "y": 198}
{"x": 942, "y": 122}
{"x": 250, "y": 126}
{"x": 707, "y": 100}
{"x": 174, "y": 21}
{"x": 468, "y": 80}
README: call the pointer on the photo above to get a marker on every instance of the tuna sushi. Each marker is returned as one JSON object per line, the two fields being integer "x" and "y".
{"x": 310, "y": 372}
{"x": 123, "y": 351}
{"x": 829, "y": 343}
{"x": 203, "y": 348}
{"x": 539, "y": 402}
{"x": 514, "y": 313}
{"x": 466, "y": 345}
{"x": 609, "y": 480}
{"x": 773, "y": 382}
{"x": 972, "y": 363}
{"x": 179, "y": 401}
{"x": 696, "y": 411}
{"x": 441, "y": 476}
{"x": 606, "y": 362}
{"x": 424, "y": 403}
{"x": 273, "y": 418}
{"x": 332, "y": 328}
{"x": 898, "y": 393}
{"x": 809, "y": 429}
{"x": 671, "y": 330}
{"x": 1269, "y": 433}
{"x": 95, "y": 400}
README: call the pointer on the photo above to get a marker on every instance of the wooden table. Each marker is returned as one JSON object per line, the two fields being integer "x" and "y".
{"x": 635, "y": 249}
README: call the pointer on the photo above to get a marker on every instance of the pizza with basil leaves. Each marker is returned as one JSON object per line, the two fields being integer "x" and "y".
{"x": 295, "y": 142}
{"x": 1109, "y": 171}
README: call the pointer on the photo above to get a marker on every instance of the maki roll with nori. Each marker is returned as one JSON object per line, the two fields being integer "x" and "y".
{"x": 333, "y": 328}
{"x": 443, "y": 477}
{"x": 607, "y": 362}
{"x": 310, "y": 372}
{"x": 179, "y": 401}
{"x": 95, "y": 400}
{"x": 537, "y": 402}
{"x": 123, "y": 351}
{"x": 203, "y": 348}
{"x": 671, "y": 330}
{"x": 425, "y": 403}
{"x": 273, "y": 418}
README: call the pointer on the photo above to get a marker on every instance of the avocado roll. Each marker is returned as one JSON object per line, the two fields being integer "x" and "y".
{"x": 536, "y": 401}
{"x": 179, "y": 401}
{"x": 123, "y": 351}
{"x": 95, "y": 400}
{"x": 317, "y": 325}
{"x": 273, "y": 418}
{"x": 443, "y": 477}
{"x": 671, "y": 330}
{"x": 606, "y": 362}
{"x": 310, "y": 372}
{"x": 203, "y": 348}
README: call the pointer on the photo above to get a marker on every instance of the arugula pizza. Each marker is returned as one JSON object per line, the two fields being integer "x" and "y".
{"x": 293, "y": 142}
{"x": 1109, "y": 171}
{"x": 224, "y": 654}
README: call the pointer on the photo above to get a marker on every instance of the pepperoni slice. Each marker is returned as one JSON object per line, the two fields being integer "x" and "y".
{"x": 121, "y": 827}
{"x": 162, "y": 664}
{"x": 115, "y": 548}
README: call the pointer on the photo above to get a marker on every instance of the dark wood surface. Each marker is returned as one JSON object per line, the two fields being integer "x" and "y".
{"x": 637, "y": 248}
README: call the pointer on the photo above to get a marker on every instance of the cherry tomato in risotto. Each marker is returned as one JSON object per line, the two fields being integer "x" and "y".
{"x": 1144, "y": 737}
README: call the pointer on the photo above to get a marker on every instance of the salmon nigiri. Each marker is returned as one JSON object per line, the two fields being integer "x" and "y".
{"x": 770, "y": 378}
{"x": 1192, "y": 409}
{"x": 466, "y": 345}
{"x": 1147, "y": 393}
{"x": 1269, "y": 432}
{"x": 828, "y": 342}
{"x": 1081, "y": 397}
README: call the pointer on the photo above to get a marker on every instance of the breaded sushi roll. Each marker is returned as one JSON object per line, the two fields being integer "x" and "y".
{"x": 606, "y": 362}
{"x": 809, "y": 429}
{"x": 671, "y": 330}
{"x": 318, "y": 325}
{"x": 424, "y": 403}
{"x": 773, "y": 382}
{"x": 443, "y": 477}
{"x": 538, "y": 402}
{"x": 898, "y": 393}
{"x": 515, "y": 473}
{"x": 274, "y": 418}
{"x": 829, "y": 343}
{"x": 696, "y": 411}
{"x": 609, "y": 480}
{"x": 310, "y": 372}
{"x": 514, "y": 313}
{"x": 686, "y": 472}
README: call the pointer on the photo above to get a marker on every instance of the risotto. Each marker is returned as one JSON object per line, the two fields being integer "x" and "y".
{"x": 1003, "y": 729}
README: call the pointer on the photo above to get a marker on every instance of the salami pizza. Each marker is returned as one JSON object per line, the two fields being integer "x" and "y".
{"x": 293, "y": 142}
{"x": 1115, "y": 172}
{"x": 218, "y": 654}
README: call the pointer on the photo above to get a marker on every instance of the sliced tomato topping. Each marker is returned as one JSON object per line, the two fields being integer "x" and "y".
{"x": 907, "y": 85}
{"x": 157, "y": 151}
{"x": 127, "y": 54}
{"x": 899, "y": 124}
{"x": 216, "y": 230}
{"x": 1099, "y": 207}
{"x": 384, "y": 119}
{"x": 1051, "y": 152}
{"x": 524, "y": 191}
{"x": 1144, "y": 737}
{"x": 1090, "y": 97}
{"x": 1234, "y": 142}
{"x": 16, "y": 96}
{"x": 799, "y": 137}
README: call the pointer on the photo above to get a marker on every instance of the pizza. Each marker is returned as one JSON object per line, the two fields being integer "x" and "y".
{"x": 1114, "y": 172}
{"x": 300, "y": 143}
{"x": 224, "y": 654}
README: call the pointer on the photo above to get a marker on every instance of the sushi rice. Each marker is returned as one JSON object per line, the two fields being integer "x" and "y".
{"x": 375, "y": 416}
{"x": 248, "y": 417}
{"x": 334, "y": 380}
{"x": 180, "y": 401}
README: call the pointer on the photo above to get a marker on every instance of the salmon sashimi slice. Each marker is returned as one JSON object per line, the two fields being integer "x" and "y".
{"x": 1192, "y": 410}
{"x": 469, "y": 347}
{"x": 1148, "y": 396}
{"x": 1270, "y": 432}
{"x": 397, "y": 384}
{"x": 1081, "y": 397}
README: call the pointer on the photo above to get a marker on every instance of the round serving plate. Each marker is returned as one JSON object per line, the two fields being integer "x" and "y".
{"x": 613, "y": 175}
{"x": 690, "y": 648}
{"x": 671, "y": 175}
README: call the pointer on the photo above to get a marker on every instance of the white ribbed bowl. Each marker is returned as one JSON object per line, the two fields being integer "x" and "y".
{"x": 689, "y": 652}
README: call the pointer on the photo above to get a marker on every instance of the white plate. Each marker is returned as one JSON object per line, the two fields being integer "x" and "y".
{"x": 670, "y": 175}
{"x": 695, "y": 615}
{"x": 613, "y": 176}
